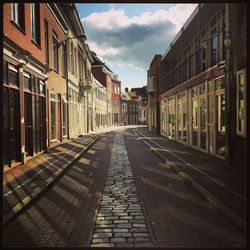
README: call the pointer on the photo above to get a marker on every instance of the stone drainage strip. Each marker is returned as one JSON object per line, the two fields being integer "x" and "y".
{"x": 120, "y": 221}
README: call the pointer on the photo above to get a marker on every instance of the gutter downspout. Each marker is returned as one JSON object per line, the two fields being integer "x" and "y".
{"x": 227, "y": 43}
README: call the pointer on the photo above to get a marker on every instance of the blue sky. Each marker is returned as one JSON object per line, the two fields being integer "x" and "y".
{"x": 127, "y": 36}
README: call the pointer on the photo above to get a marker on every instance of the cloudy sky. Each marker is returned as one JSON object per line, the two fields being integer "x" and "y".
{"x": 127, "y": 36}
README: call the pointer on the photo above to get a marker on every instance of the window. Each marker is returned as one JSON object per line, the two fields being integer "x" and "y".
{"x": 64, "y": 59}
{"x": 46, "y": 40}
{"x": 204, "y": 50}
{"x": 17, "y": 14}
{"x": 64, "y": 120}
{"x": 42, "y": 88}
{"x": 35, "y": 23}
{"x": 241, "y": 103}
{"x": 13, "y": 76}
{"x": 55, "y": 51}
{"x": 71, "y": 58}
{"x": 26, "y": 81}
{"x": 53, "y": 116}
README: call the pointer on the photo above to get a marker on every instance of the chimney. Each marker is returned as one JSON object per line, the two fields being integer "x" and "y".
{"x": 126, "y": 89}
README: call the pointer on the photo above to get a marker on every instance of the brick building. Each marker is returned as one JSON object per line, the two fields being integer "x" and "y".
{"x": 153, "y": 95}
{"x": 25, "y": 75}
{"x": 203, "y": 82}
{"x": 105, "y": 76}
{"x": 115, "y": 99}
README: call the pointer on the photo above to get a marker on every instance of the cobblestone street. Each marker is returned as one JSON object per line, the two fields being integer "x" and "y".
{"x": 120, "y": 194}
{"x": 120, "y": 221}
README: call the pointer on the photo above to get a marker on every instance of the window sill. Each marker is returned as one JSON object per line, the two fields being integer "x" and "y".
{"x": 18, "y": 27}
{"x": 37, "y": 45}
{"x": 55, "y": 71}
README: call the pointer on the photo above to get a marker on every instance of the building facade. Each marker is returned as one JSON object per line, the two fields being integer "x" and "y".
{"x": 153, "y": 105}
{"x": 116, "y": 96}
{"x": 142, "y": 110}
{"x": 203, "y": 83}
{"x": 100, "y": 108}
{"x": 27, "y": 40}
{"x": 104, "y": 75}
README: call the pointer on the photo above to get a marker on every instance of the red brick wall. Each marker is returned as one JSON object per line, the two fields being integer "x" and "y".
{"x": 115, "y": 96}
{"x": 24, "y": 39}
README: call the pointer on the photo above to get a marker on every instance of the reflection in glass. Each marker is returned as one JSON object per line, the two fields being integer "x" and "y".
{"x": 203, "y": 133}
{"x": 194, "y": 121}
{"x": 220, "y": 124}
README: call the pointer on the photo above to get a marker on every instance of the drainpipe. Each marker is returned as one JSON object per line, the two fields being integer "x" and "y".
{"x": 227, "y": 43}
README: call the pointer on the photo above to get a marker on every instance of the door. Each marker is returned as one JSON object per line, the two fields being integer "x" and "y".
{"x": 28, "y": 123}
{"x": 59, "y": 117}
{"x": 14, "y": 125}
{"x": 220, "y": 123}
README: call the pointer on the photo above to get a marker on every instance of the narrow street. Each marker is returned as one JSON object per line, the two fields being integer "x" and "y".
{"x": 120, "y": 194}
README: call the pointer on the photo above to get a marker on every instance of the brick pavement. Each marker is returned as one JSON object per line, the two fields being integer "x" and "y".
{"x": 222, "y": 185}
{"x": 120, "y": 221}
{"x": 64, "y": 216}
{"x": 23, "y": 184}
{"x": 177, "y": 215}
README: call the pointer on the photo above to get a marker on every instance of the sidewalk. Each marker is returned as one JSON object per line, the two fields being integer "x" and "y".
{"x": 222, "y": 185}
{"x": 23, "y": 184}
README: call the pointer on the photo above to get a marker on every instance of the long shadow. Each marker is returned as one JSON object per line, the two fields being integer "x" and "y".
{"x": 60, "y": 202}
{"x": 155, "y": 180}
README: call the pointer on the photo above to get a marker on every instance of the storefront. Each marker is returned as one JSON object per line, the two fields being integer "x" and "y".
{"x": 196, "y": 116}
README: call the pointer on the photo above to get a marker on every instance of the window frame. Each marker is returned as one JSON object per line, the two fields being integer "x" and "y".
{"x": 18, "y": 16}
{"x": 35, "y": 23}
{"x": 46, "y": 40}
{"x": 243, "y": 131}
{"x": 55, "y": 45}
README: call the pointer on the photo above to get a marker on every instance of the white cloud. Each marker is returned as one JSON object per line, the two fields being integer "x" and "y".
{"x": 133, "y": 41}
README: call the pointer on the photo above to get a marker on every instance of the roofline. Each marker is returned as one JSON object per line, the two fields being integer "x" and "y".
{"x": 184, "y": 27}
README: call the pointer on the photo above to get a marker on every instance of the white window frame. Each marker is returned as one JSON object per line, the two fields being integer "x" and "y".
{"x": 243, "y": 132}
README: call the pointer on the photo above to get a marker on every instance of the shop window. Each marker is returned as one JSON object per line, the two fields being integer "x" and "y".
{"x": 17, "y": 14}
{"x": 241, "y": 103}
{"x": 35, "y": 23}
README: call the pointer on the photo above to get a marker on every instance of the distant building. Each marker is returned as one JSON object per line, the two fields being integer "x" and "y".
{"x": 153, "y": 95}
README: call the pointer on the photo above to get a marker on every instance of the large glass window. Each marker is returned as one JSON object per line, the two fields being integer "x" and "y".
{"x": 53, "y": 116}
{"x": 241, "y": 103}
{"x": 35, "y": 23}
{"x": 203, "y": 123}
{"x": 220, "y": 124}
{"x": 195, "y": 122}
{"x": 64, "y": 118}
{"x": 17, "y": 14}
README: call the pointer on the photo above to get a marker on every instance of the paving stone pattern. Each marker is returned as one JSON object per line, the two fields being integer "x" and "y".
{"x": 120, "y": 221}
